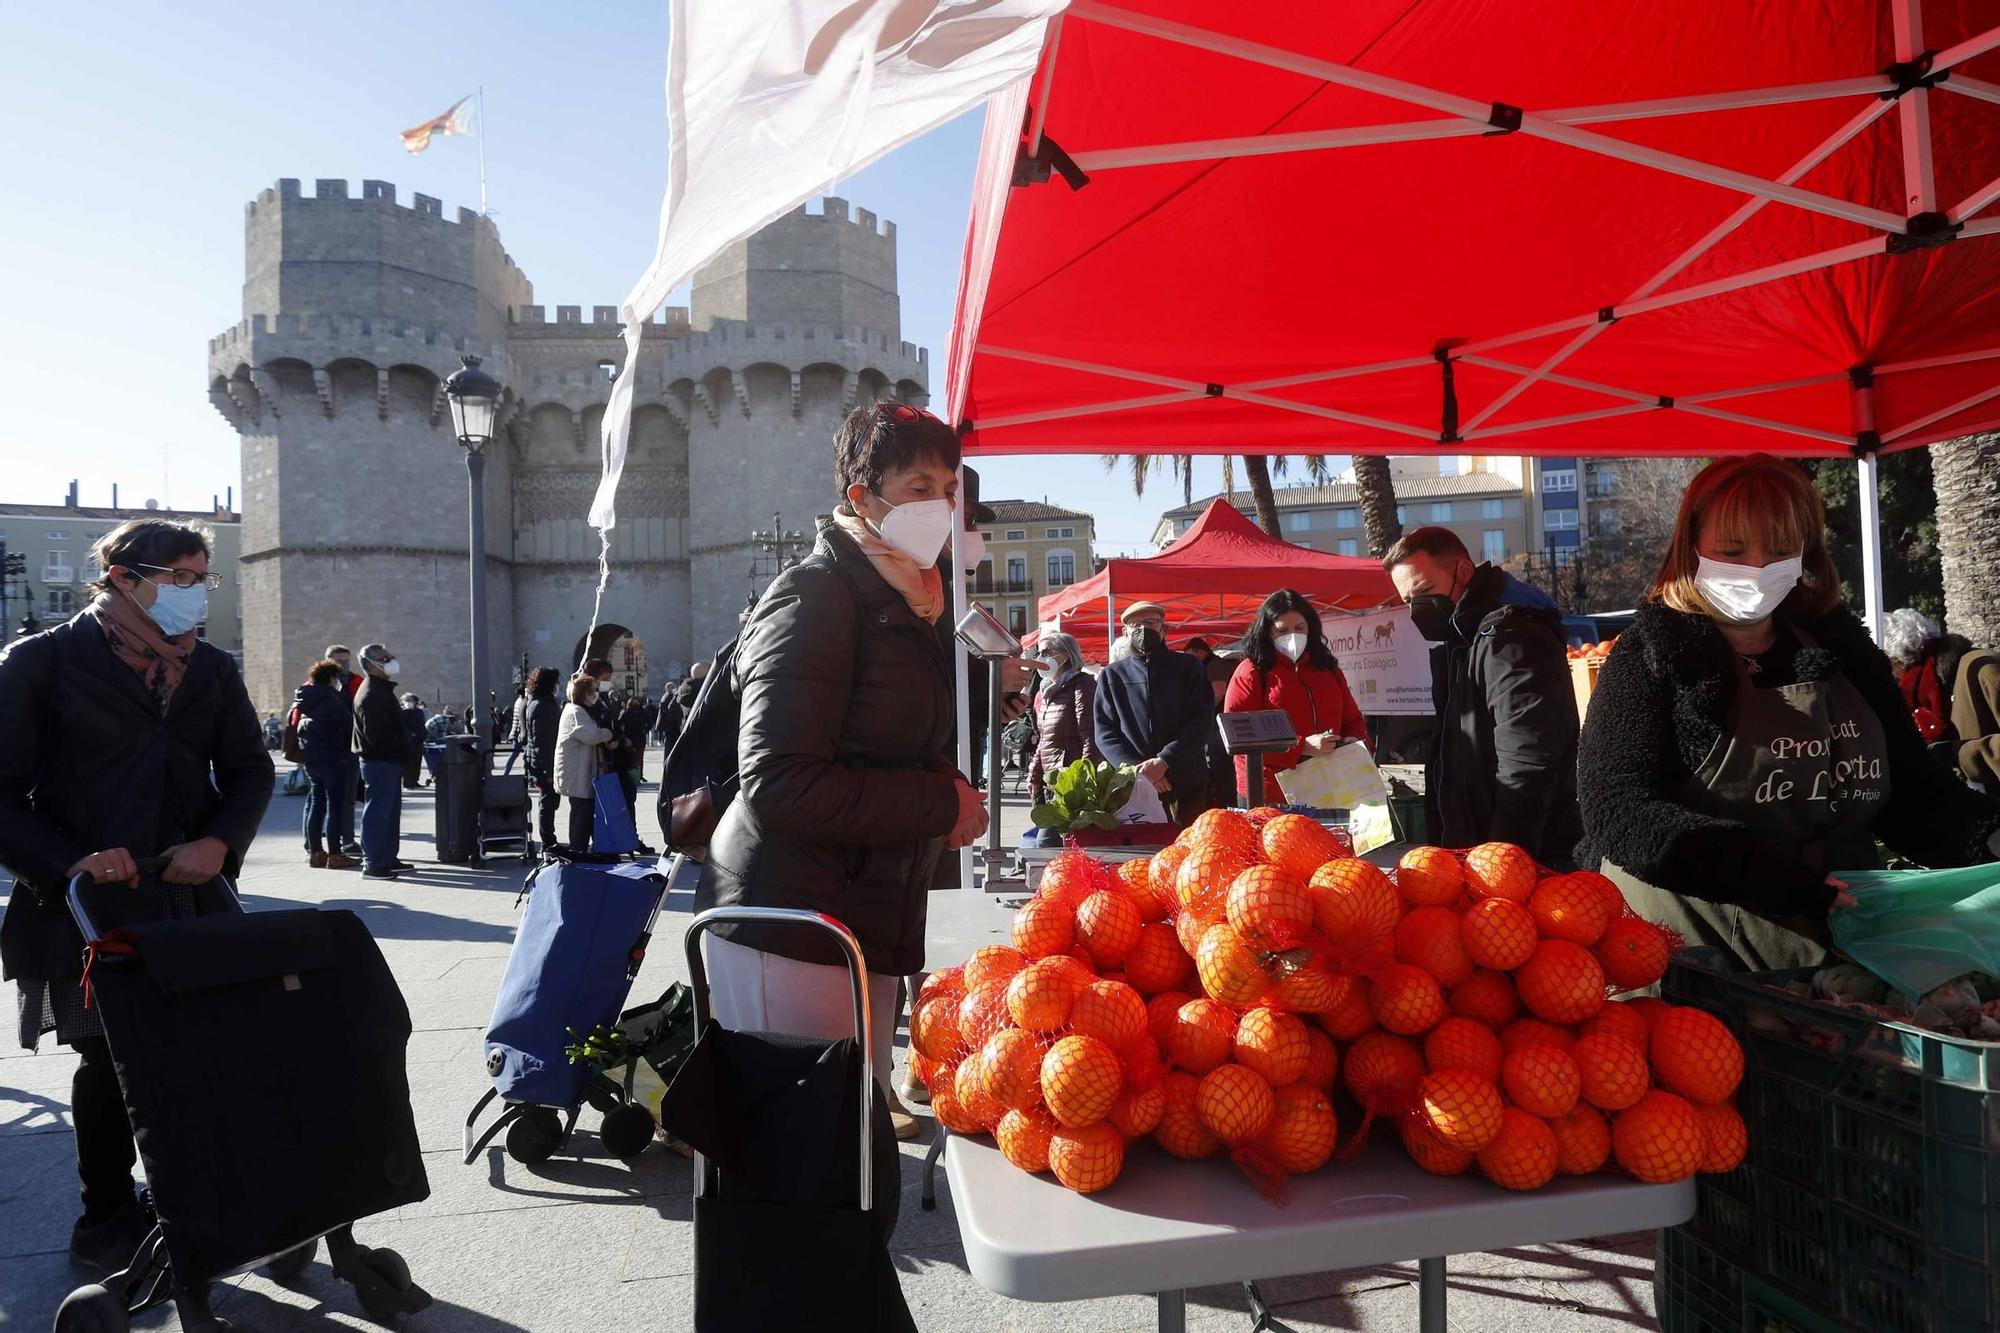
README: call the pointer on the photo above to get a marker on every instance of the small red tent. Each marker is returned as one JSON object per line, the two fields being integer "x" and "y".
{"x": 1217, "y": 572}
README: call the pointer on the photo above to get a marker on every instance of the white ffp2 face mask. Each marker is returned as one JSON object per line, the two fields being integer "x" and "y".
{"x": 972, "y": 547}
{"x": 1291, "y": 645}
{"x": 919, "y": 529}
{"x": 1745, "y": 594}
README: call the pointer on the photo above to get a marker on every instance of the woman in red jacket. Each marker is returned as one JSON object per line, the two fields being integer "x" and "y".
{"x": 1287, "y": 665}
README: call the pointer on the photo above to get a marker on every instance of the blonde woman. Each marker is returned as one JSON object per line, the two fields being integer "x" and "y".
{"x": 1747, "y": 740}
{"x": 580, "y": 742}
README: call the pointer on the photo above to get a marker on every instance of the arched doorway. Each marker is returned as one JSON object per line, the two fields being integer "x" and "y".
{"x": 626, "y": 653}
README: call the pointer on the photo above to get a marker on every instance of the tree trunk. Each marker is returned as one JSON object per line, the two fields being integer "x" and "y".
{"x": 1377, "y": 492}
{"x": 1262, "y": 497}
{"x": 1966, "y": 476}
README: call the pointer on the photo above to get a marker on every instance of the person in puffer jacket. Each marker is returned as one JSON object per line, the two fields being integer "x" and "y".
{"x": 326, "y": 733}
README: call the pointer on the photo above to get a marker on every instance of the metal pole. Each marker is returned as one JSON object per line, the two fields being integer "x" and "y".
{"x": 994, "y": 700}
{"x": 1173, "y": 1312}
{"x": 475, "y": 473}
{"x": 1871, "y": 546}
{"x": 1430, "y": 1295}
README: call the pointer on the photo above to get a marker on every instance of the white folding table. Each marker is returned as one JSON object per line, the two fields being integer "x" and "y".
{"x": 1167, "y": 1226}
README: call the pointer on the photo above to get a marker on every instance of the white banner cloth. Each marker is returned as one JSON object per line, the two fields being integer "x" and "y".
{"x": 1386, "y": 662}
{"x": 771, "y": 101}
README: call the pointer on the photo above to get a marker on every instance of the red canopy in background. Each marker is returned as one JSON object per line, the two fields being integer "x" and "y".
{"x": 1555, "y": 227}
{"x": 1211, "y": 580}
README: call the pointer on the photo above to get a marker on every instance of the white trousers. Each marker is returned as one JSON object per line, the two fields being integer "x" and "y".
{"x": 767, "y": 992}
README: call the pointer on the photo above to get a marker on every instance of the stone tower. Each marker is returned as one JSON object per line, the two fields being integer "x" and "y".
{"x": 354, "y": 309}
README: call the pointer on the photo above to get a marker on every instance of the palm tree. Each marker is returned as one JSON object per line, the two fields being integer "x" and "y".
{"x": 1966, "y": 476}
{"x": 1376, "y": 490}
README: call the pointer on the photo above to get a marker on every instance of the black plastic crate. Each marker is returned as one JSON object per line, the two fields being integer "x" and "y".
{"x": 1874, "y": 1155}
{"x": 1700, "y": 1291}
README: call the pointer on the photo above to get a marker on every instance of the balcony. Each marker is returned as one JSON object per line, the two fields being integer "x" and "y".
{"x": 991, "y": 587}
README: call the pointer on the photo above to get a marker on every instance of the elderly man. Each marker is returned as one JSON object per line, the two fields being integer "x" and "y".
{"x": 1155, "y": 709}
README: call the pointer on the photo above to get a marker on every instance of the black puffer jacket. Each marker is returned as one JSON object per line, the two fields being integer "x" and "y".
{"x": 539, "y": 718}
{"x": 88, "y": 763}
{"x": 1502, "y": 767}
{"x": 378, "y": 723}
{"x": 844, "y": 756}
{"x": 1661, "y": 702}
{"x": 326, "y": 723}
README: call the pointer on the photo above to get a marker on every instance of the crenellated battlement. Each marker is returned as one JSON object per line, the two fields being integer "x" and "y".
{"x": 379, "y": 194}
{"x": 350, "y": 332}
{"x": 533, "y": 320}
{"x": 832, "y": 208}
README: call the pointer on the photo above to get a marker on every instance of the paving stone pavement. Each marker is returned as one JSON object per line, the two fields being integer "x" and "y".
{"x": 586, "y": 1241}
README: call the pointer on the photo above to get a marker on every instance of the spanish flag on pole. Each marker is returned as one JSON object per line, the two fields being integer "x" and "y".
{"x": 458, "y": 120}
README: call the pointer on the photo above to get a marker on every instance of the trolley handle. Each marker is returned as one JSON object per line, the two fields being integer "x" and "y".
{"x": 145, "y": 866}
{"x": 857, "y": 971}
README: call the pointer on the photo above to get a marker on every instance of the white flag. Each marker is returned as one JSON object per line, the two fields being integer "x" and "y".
{"x": 771, "y": 101}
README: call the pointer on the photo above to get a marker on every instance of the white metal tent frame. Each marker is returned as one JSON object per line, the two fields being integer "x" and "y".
{"x": 1906, "y": 86}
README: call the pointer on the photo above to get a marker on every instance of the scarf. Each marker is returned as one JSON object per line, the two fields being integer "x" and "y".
{"x": 137, "y": 642}
{"x": 1921, "y": 693}
{"x": 922, "y": 588}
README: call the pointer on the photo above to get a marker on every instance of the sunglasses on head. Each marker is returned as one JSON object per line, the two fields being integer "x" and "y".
{"x": 902, "y": 413}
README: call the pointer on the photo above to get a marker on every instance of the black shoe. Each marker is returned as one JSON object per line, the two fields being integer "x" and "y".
{"x": 352, "y": 849}
{"x": 644, "y": 850}
{"x": 400, "y": 865}
{"x": 107, "y": 1246}
{"x": 379, "y": 874}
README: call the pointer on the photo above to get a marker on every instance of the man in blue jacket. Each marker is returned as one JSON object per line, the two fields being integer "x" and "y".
{"x": 1502, "y": 766}
{"x": 1155, "y": 710}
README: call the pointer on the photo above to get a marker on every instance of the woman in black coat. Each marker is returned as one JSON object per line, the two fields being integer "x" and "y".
{"x": 848, "y": 790}
{"x": 326, "y": 735}
{"x": 540, "y": 712}
{"x": 1747, "y": 740}
{"x": 126, "y": 737}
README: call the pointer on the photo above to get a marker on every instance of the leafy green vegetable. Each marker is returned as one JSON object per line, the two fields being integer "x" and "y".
{"x": 1085, "y": 796}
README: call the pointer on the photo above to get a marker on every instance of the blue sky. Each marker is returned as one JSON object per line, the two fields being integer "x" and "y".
{"x": 136, "y": 133}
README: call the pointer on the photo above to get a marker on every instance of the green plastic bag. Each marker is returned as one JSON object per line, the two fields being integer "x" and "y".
{"x": 1918, "y": 929}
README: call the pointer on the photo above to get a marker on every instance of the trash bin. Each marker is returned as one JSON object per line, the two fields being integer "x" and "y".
{"x": 459, "y": 767}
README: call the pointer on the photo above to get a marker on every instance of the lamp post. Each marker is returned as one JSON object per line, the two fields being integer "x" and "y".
{"x": 475, "y": 400}
{"x": 30, "y": 624}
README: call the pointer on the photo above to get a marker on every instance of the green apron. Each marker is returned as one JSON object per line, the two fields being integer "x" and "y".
{"x": 1806, "y": 767}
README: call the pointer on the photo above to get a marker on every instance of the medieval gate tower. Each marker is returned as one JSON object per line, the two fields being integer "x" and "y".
{"x": 354, "y": 511}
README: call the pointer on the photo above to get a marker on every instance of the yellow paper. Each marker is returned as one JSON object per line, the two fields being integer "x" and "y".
{"x": 1345, "y": 779}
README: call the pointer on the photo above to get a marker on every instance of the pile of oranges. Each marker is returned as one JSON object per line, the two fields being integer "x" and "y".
{"x": 1220, "y": 994}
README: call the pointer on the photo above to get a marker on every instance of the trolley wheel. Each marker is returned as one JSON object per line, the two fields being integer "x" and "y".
{"x": 534, "y": 1136}
{"x": 287, "y": 1266}
{"x": 382, "y": 1280}
{"x": 627, "y": 1130}
{"x": 92, "y": 1309}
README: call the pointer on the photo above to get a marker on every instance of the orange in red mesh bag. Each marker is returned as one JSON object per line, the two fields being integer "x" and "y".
{"x": 1268, "y": 906}
{"x": 1203, "y": 881}
{"x": 1230, "y": 970}
{"x": 1300, "y": 845}
{"x": 1108, "y": 923}
{"x": 1072, "y": 876}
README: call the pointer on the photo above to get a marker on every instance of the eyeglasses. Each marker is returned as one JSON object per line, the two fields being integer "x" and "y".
{"x": 902, "y": 413}
{"x": 185, "y": 578}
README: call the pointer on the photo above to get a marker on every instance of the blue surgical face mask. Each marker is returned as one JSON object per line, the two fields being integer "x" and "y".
{"x": 178, "y": 610}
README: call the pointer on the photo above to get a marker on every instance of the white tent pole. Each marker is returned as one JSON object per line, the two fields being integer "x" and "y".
{"x": 1093, "y": 367}
{"x": 1482, "y": 112}
{"x": 1871, "y": 547}
{"x": 962, "y": 684}
{"x": 1943, "y": 413}
{"x": 1054, "y": 46}
{"x": 1914, "y": 110}
{"x": 1347, "y": 372}
{"x": 1975, "y": 201}
{"x": 1572, "y": 419}
{"x": 1783, "y": 94}
{"x": 1762, "y": 423}
{"x": 1932, "y": 362}
{"x": 1978, "y": 89}
{"x": 1110, "y": 619}
{"x": 1949, "y": 57}
{"x": 1334, "y": 414}
{"x": 1088, "y": 409}
{"x": 1720, "y": 395}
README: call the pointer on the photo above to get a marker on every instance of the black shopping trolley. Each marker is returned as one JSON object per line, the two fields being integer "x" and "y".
{"x": 261, "y": 1060}
{"x": 795, "y": 1157}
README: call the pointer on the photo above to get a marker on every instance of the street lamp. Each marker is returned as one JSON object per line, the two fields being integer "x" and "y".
{"x": 30, "y": 624}
{"x": 475, "y": 401}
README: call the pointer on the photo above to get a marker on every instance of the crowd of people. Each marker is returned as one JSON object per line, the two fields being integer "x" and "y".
{"x": 1746, "y": 742}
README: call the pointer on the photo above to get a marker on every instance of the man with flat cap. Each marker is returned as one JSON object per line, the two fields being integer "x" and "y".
{"x": 1155, "y": 710}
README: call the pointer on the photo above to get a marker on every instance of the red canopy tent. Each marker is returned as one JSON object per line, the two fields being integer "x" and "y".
{"x": 1556, "y": 227}
{"x": 1212, "y": 579}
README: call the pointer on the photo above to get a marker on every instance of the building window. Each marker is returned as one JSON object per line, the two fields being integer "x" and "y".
{"x": 61, "y": 602}
{"x": 1559, "y": 520}
{"x": 1298, "y": 521}
{"x": 1017, "y": 618}
{"x": 1492, "y": 508}
{"x": 56, "y": 536}
{"x": 1441, "y": 512}
{"x": 1350, "y": 546}
{"x": 56, "y": 568}
{"x": 1057, "y": 534}
{"x": 986, "y": 536}
{"x": 1347, "y": 518}
{"x": 982, "y": 576}
{"x": 1017, "y": 534}
{"x": 1493, "y": 544}
{"x": 1017, "y": 570}
{"x": 1062, "y": 569}
{"x": 1559, "y": 479}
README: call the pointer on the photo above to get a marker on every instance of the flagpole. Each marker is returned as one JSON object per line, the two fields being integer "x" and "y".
{"x": 482, "y": 150}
